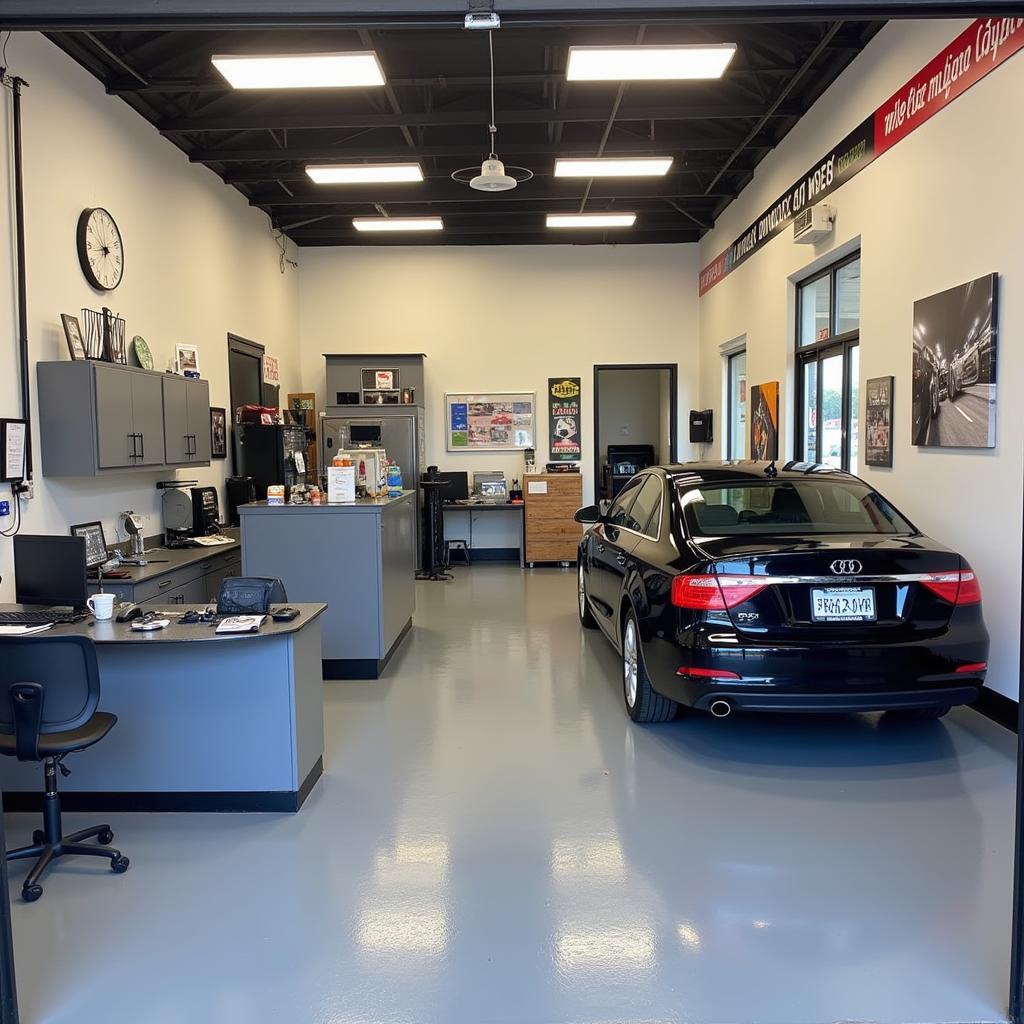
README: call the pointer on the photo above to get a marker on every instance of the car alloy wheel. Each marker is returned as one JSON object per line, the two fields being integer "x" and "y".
{"x": 630, "y": 662}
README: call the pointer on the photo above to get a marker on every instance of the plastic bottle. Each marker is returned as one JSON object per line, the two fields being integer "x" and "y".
{"x": 394, "y": 480}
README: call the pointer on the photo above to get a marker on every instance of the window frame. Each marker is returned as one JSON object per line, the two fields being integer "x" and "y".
{"x": 729, "y": 408}
{"x": 817, "y": 352}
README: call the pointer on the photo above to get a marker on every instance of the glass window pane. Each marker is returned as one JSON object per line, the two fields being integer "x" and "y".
{"x": 848, "y": 297}
{"x": 832, "y": 410}
{"x": 815, "y": 315}
{"x": 640, "y": 511}
{"x": 809, "y": 447}
{"x": 737, "y": 405}
{"x": 853, "y": 425}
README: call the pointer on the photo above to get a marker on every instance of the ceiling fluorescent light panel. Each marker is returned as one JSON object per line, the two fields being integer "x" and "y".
{"x": 613, "y": 167}
{"x": 647, "y": 63}
{"x": 356, "y": 174}
{"x": 300, "y": 70}
{"x": 398, "y": 224}
{"x": 591, "y": 220}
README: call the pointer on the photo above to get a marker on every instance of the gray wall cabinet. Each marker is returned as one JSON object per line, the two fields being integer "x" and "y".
{"x": 186, "y": 421}
{"x": 98, "y": 418}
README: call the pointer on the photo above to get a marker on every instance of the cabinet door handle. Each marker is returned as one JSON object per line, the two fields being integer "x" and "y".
{"x": 132, "y": 453}
{"x": 165, "y": 584}
{"x": 142, "y": 446}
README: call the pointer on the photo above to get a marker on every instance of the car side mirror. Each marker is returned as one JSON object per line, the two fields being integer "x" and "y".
{"x": 588, "y": 515}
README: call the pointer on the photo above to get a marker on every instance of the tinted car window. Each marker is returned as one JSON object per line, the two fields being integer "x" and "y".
{"x": 790, "y": 506}
{"x": 618, "y": 513}
{"x": 646, "y": 502}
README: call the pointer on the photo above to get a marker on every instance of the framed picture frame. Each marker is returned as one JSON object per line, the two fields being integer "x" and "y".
{"x": 186, "y": 358}
{"x": 496, "y": 421}
{"x": 764, "y": 421}
{"x": 13, "y": 445}
{"x": 218, "y": 433}
{"x": 73, "y": 336}
{"x": 878, "y": 421}
{"x": 96, "y": 551}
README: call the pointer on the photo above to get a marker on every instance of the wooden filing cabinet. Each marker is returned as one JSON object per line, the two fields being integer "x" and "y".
{"x": 552, "y": 535}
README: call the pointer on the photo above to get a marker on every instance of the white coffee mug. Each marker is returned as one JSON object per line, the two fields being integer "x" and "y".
{"x": 102, "y": 606}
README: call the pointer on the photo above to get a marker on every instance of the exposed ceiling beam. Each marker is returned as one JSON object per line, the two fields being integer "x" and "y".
{"x": 329, "y": 152}
{"x": 536, "y": 228}
{"x": 248, "y": 120}
{"x": 465, "y": 196}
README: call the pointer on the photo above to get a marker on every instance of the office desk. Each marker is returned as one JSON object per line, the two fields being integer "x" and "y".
{"x": 205, "y": 722}
{"x": 489, "y": 509}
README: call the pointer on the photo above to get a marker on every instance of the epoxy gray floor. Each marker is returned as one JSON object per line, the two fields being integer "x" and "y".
{"x": 493, "y": 841}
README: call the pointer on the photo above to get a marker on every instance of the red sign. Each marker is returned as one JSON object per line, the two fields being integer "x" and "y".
{"x": 978, "y": 50}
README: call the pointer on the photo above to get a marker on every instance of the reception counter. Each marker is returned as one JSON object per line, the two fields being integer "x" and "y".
{"x": 205, "y": 722}
{"x": 357, "y": 558}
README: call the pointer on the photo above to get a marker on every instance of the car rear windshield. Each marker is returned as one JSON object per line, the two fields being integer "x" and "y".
{"x": 789, "y": 506}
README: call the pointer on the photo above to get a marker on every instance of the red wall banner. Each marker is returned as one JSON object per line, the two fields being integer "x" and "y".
{"x": 979, "y": 49}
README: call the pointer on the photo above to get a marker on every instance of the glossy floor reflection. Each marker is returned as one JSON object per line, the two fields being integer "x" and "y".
{"x": 495, "y": 842}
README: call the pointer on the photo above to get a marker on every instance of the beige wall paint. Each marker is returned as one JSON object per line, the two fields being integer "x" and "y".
{"x": 937, "y": 210}
{"x": 504, "y": 318}
{"x": 198, "y": 264}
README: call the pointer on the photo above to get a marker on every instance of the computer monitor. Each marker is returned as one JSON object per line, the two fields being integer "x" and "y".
{"x": 457, "y": 489}
{"x": 50, "y": 570}
{"x": 482, "y": 477}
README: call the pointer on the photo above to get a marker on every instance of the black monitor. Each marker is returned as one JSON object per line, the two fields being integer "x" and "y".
{"x": 457, "y": 489}
{"x": 50, "y": 570}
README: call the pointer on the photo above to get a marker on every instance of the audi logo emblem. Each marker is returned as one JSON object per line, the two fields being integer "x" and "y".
{"x": 846, "y": 567}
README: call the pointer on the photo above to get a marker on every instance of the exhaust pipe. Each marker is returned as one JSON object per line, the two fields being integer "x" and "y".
{"x": 721, "y": 708}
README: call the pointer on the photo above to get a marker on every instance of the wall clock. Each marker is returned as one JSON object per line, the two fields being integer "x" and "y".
{"x": 100, "y": 249}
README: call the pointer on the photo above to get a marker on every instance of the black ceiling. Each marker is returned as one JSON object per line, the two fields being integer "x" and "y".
{"x": 435, "y": 110}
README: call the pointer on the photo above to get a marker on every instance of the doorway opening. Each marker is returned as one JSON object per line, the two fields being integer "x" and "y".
{"x": 635, "y": 422}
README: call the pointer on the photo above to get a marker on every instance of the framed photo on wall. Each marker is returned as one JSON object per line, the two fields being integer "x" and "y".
{"x": 186, "y": 358}
{"x": 764, "y": 421}
{"x": 218, "y": 433}
{"x": 73, "y": 336}
{"x": 504, "y": 421}
{"x": 953, "y": 404}
{"x": 878, "y": 425}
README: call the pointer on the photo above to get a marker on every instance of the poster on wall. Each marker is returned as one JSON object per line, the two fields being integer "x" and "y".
{"x": 953, "y": 404}
{"x": 764, "y": 420}
{"x": 490, "y": 421}
{"x": 271, "y": 370}
{"x": 878, "y": 413}
{"x": 564, "y": 418}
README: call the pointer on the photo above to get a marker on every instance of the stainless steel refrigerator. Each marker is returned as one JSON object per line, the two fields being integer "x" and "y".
{"x": 397, "y": 429}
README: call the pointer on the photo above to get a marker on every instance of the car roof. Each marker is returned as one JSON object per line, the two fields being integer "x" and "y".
{"x": 745, "y": 470}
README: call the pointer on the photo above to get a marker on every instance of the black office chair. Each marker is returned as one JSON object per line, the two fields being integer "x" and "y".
{"x": 49, "y": 690}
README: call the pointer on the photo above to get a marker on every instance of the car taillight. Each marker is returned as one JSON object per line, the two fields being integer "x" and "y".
{"x": 959, "y": 588}
{"x": 714, "y": 593}
{"x": 974, "y": 668}
{"x": 706, "y": 673}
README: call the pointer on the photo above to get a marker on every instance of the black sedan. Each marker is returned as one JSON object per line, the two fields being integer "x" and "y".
{"x": 741, "y": 585}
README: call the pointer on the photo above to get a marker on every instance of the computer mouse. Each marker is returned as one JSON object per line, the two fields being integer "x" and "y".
{"x": 128, "y": 613}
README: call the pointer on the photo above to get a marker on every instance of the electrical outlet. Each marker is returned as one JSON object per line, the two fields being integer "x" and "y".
{"x": 5, "y": 508}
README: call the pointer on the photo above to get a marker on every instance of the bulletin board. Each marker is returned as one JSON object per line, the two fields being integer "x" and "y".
{"x": 503, "y": 421}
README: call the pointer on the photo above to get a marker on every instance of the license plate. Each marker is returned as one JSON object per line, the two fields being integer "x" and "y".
{"x": 843, "y": 604}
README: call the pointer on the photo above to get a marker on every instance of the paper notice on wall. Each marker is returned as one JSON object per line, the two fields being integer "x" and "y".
{"x": 536, "y": 487}
{"x": 14, "y": 450}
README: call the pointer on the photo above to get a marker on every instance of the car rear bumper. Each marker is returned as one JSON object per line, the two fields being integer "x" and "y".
{"x": 827, "y": 677}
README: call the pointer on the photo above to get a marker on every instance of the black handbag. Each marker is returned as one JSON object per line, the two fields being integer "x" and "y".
{"x": 249, "y": 595}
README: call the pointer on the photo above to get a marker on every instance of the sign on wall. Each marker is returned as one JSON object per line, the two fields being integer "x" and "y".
{"x": 979, "y": 49}
{"x": 878, "y": 440}
{"x": 271, "y": 370}
{"x": 502, "y": 421}
{"x": 764, "y": 420}
{"x": 564, "y": 418}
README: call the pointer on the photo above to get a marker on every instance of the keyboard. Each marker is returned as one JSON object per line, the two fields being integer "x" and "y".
{"x": 38, "y": 618}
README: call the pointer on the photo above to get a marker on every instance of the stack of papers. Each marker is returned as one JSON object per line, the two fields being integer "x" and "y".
{"x": 23, "y": 630}
{"x": 241, "y": 624}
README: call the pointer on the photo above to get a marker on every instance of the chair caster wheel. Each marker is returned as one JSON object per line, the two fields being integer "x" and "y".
{"x": 30, "y": 893}
{"x": 119, "y": 865}
{"x": 105, "y": 838}
{"x": 38, "y": 836}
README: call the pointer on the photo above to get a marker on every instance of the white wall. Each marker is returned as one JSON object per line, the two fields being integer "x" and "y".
{"x": 504, "y": 318}
{"x": 199, "y": 263}
{"x": 937, "y": 210}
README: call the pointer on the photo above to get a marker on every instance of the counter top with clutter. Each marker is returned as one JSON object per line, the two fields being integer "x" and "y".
{"x": 367, "y": 504}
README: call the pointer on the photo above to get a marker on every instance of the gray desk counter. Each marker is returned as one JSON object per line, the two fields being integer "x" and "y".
{"x": 359, "y": 559}
{"x": 205, "y": 722}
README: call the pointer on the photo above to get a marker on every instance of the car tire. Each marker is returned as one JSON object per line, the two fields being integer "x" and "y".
{"x": 643, "y": 703}
{"x": 918, "y": 714}
{"x": 587, "y": 620}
